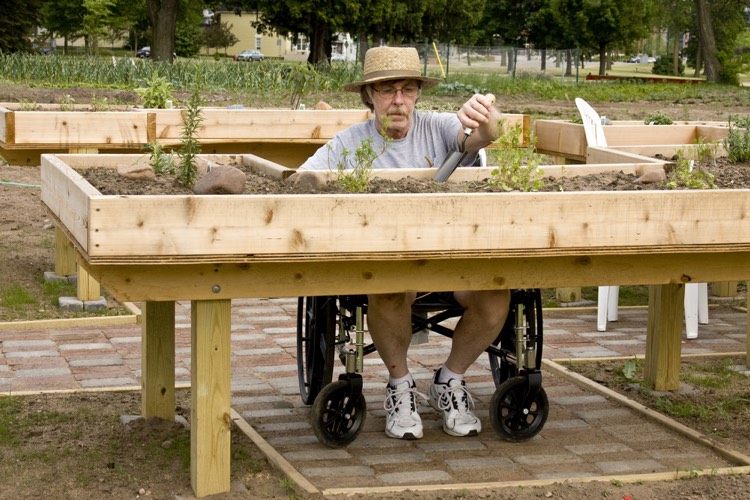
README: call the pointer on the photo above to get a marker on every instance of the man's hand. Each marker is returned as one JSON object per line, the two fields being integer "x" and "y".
{"x": 479, "y": 114}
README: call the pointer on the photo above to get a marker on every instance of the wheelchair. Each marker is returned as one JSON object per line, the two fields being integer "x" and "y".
{"x": 333, "y": 326}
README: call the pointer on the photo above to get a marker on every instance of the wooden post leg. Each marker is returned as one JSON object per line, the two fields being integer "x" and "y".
{"x": 724, "y": 288}
{"x": 88, "y": 287}
{"x": 568, "y": 294}
{"x": 664, "y": 336}
{"x": 158, "y": 360}
{"x": 65, "y": 254}
{"x": 210, "y": 409}
{"x": 747, "y": 325}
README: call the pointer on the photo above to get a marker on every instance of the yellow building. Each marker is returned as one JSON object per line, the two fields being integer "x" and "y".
{"x": 240, "y": 25}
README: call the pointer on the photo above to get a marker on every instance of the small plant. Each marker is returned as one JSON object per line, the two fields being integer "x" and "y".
{"x": 658, "y": 118}
{"x": 706, "y": 151}
{"x": 737, "y": 142}
{"x": 685, "y": 175}
{"x": 100, "y": 104}
{"x": 161, "y": 161}
{"x": 157, "y": 93}
{"x": 630, "y": 368}
{"x": 354, "y": 170}
{"x": 28, "y": 105}
{"x": 67, "y": 103}
{"x": 517, "y": 166}
{"x": 187, "y": 171}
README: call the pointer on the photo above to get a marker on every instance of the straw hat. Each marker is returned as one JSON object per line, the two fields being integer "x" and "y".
{"x": 392, "y": 63}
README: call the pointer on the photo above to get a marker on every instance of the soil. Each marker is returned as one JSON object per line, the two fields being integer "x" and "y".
{"x": 74, "y": 445}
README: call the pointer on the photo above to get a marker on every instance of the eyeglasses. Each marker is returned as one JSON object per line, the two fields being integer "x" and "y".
{"x": 390, "y": 92}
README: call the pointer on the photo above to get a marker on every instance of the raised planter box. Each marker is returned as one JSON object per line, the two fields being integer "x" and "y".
{"x": 566, "y": 139}
{"x": 210, "y": 249}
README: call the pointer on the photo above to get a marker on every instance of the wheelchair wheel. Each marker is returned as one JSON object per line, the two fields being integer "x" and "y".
{"x": 336, "y": 418}
{"x": 316, "y": 328}
{"x": 511, "y": 418}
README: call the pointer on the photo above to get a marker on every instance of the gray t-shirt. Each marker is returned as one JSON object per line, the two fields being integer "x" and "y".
{"x": 431, "y": 137}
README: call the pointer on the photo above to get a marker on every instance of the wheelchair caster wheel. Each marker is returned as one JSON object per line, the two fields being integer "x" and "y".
{"x": 337, "y": 418}
{"x": 511, "y": 418}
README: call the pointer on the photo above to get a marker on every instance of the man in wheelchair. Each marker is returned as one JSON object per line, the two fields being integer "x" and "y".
{"x": 391, "y": 87}
{"x": 389, "y": 322}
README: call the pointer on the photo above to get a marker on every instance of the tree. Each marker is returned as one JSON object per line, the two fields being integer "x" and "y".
{"x": 163, "y": 15}
{"x": 603, "y": 25}
{"x": 219, "y": 35}
{"x": 63, "y": 18}
{"x": 18, "y": 25}
{"x": 95, "y": 19}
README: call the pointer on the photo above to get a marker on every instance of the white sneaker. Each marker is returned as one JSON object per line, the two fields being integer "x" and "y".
{"x": 402, "y": 420}
{"x": 455, "y": 403}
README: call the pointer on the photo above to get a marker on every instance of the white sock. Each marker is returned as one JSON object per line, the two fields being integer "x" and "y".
{"x": 393, "y": 382}
{"x": 446, "y": 374}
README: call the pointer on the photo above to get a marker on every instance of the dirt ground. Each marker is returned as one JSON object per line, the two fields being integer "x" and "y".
{"x": 74, "y": 445}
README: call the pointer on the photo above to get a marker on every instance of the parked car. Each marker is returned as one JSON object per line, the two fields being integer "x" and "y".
{"x": 249, "y": 55}
{"x": 336, "y": 56}
{"x": 145, "y": 53}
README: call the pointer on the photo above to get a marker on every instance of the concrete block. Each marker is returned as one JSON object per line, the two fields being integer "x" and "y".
{"x": 99, "y": 304}
{"x": 52, "y": 277}
{"x": 70, "y": 304}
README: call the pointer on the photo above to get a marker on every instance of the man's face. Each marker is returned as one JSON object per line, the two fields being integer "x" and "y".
{"x": 393, "y": 103}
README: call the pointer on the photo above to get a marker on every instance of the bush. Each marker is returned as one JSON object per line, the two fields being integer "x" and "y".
{"x": 663, "y": 66}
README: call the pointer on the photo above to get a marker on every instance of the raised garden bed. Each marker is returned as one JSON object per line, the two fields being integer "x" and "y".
{"x": 567, "y": 139}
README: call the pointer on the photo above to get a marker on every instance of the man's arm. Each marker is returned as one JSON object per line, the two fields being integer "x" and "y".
{"x": 480, "y": 115}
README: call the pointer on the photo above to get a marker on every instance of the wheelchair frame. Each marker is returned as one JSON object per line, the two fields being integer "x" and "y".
{"x": 334, "y": 325}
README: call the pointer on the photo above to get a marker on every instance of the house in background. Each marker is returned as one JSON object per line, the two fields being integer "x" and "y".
{"x": 239, "y": 23}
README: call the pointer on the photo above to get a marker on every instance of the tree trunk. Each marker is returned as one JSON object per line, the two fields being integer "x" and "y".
{"x": 676, "y": 54}
{"x": 543, "y": 66}
{"x": 320, "y": 41}
{"x": 698, "y": 61}
{"x": 163, "y": 14}
{"x": 602, "y": 60}
{"x": 707, "y": 42}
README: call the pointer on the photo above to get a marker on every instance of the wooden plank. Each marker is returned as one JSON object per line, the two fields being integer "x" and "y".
{"x": 560, "y": 138}
{"x": 210, "y": 407}
{"x": 245, "y": 124}
{"x": 136, "y": 282}
{"x": 80, "y": 128}
{"x": 610, "y": 155}
{"x": 664, "y": 336}
{"x": 66, "y": 194}
{"x": 688, "y": 151}
{"x": 266, "y": 167}
{"x": 65, "y": 254}
{"x": 158, "y": 360}
{"x": 301, "y": 224}
{"x": 7, "y": 126}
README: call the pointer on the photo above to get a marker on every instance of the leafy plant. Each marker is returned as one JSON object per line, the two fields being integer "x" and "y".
{"x": 67, "y": 103}
{"x": 190, "y": 147}
{"x": 685, "y": 175}
{"x": 517, "y": 166}
{"x": 161, "y": 161}
{"x": 100, "y": 104}
{"x": 354, "y": 169}
{"x": 157, "y": 93}
{"x": 706, "y": 151}
{"x": 630, "y": 368}
{"x": 658, "y": 118}
{"x": 737, "y": 142}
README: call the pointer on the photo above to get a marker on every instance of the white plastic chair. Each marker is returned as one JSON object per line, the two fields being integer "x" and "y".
{"x": 696, "y": 294}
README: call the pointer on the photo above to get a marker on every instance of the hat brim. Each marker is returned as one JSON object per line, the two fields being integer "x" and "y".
{"x": 427, "y": 82}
